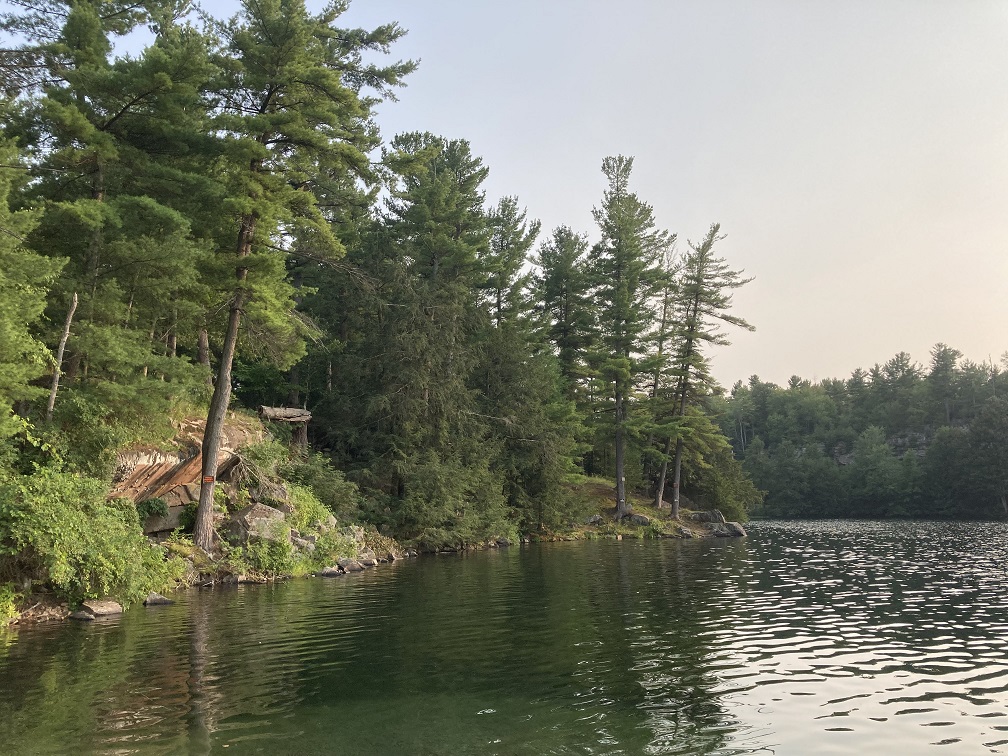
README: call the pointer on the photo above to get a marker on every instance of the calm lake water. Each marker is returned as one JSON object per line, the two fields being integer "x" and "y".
{"x": 815, "y": 637}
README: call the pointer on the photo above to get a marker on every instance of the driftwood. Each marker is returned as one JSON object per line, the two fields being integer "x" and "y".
{"x": 285, "y": 414}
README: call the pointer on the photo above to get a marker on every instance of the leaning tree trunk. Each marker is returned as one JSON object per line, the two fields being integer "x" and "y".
{"x": 203, "y": 534}
{"x": 59, "y": 359}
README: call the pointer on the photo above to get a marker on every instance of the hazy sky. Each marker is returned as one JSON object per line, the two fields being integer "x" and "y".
{"x": 855, "y": 153}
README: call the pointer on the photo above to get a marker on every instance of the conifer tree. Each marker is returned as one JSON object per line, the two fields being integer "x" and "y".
{"x": 625, "y": 266}
{"x": 292, "y": 118}
{"x": 24, "y": 281}
{"x": 705, "y": 297}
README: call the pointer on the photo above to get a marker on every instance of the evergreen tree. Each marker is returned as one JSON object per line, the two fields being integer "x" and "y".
{"x": 563, "y": 291}
{"x": 24, "y": 281}
{"x": 626, "y": 275}
{"x": 291, "y": 117}
{"x": 705, "y": 297}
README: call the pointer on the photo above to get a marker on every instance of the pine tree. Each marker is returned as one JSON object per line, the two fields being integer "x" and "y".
{"x": 705, "y": 297}
{"x": 24, "y": 281}
{"x": 626, "y": 274}
{"x": 292, "y": 118}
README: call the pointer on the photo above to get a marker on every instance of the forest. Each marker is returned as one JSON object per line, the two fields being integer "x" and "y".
{"x": 898, "y": 440}
{"x": 215, "y": 224}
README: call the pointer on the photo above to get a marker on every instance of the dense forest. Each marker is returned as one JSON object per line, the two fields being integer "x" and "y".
{"x": 215, "y": 223}
{"x": 898, "y": 440}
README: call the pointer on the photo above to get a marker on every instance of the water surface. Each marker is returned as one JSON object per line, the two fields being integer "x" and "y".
{"x": 842, "y": 637}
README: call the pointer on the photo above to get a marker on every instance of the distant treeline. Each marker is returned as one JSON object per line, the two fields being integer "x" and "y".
{"x": 899, "y": 440}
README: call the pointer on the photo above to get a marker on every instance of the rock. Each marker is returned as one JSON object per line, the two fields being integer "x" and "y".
{"x": 255, "y": 520}
{"x": 637, "y": 519}
{"x": 503, "y": 542}
{"x": 366, "y": 554}
{"x": 710, "y": 515}
{"x": 368, "y": 562}
{"x": 90, "y": 610}
{"x": 330, "y": 572}
{"x": 156, "y": 599}
{"x": 350, "y": 565}
{"x": 595, "y": 519}
{"x": 728, "y": 530}
{"x": 391, "y": 557}
{"x": 303, "y": 544}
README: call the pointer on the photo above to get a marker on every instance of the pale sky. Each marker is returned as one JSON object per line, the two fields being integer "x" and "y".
{"x": 855, "y": 153}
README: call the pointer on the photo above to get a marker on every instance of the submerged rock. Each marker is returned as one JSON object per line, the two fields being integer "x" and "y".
{"x": 95, "y": 608}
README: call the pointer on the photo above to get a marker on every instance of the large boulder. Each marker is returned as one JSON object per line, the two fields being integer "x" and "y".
{"x": 728, "y": 530}
{"x": 255, "y": 521}
{"x": 637, "y": 519}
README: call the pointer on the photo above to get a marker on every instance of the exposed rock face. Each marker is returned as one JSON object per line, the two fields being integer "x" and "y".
{"x": 174, "y": 477}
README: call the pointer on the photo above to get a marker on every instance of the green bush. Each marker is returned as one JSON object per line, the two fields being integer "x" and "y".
{"x": 151, "y": 507}
{"x": 307, "y": 508}
{"x": 266, "y": 558}
{"x": 8, "y": 603}
{"x": 58, "y": 526}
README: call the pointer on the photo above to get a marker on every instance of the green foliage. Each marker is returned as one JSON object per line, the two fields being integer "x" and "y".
{"x": 893, "y": 441}
{"x": 58, "y": 527}
{"x": 264, "y": 558}
{"x": 155, "y": 507}
{"x": 308, "y": 510}
{"x": 331, "y": 546}
{"x": 9, "y": 599}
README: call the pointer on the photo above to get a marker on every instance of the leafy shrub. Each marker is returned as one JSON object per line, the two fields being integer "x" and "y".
{"x": 151, "y": 507}
{"x": 8, "y": 603}
{"x": 59, "y": 527}
{"x": 331, "y": 546}
{"x": 266, "y": 558}
{"x": 307, "y": 508}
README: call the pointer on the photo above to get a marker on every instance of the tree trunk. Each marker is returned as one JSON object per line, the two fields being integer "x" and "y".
{"x": 203, "y": 534}
{"x": 659, "y": 500}
{"x": 676, "y": 477}
{"x": 203, "y": 353}
{"x": 621, "y": 504}
{"x": 59, "y": 358}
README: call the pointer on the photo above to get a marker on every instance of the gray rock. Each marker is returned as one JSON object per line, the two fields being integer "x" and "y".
{"x": 156, "y": 599}
{"x": 330, "y": 572}
{"x": 391, "y": 557}
{"x": 368, "y": 562}
{"x": 637, "y": 519}
{"x": 255, "y": 521}
{"x": 350, "y": 565}
{"x": 95, "y": 608}
{"x": 595, "y": 519}
{"x": 728, "y": 530}
{"x": 710, "y": 516}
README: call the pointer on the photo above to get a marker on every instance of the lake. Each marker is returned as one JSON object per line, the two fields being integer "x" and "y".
{"x": 805, "y": 637}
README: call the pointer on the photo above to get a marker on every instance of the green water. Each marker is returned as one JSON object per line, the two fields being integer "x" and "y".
{"x": 803, "y": 638}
